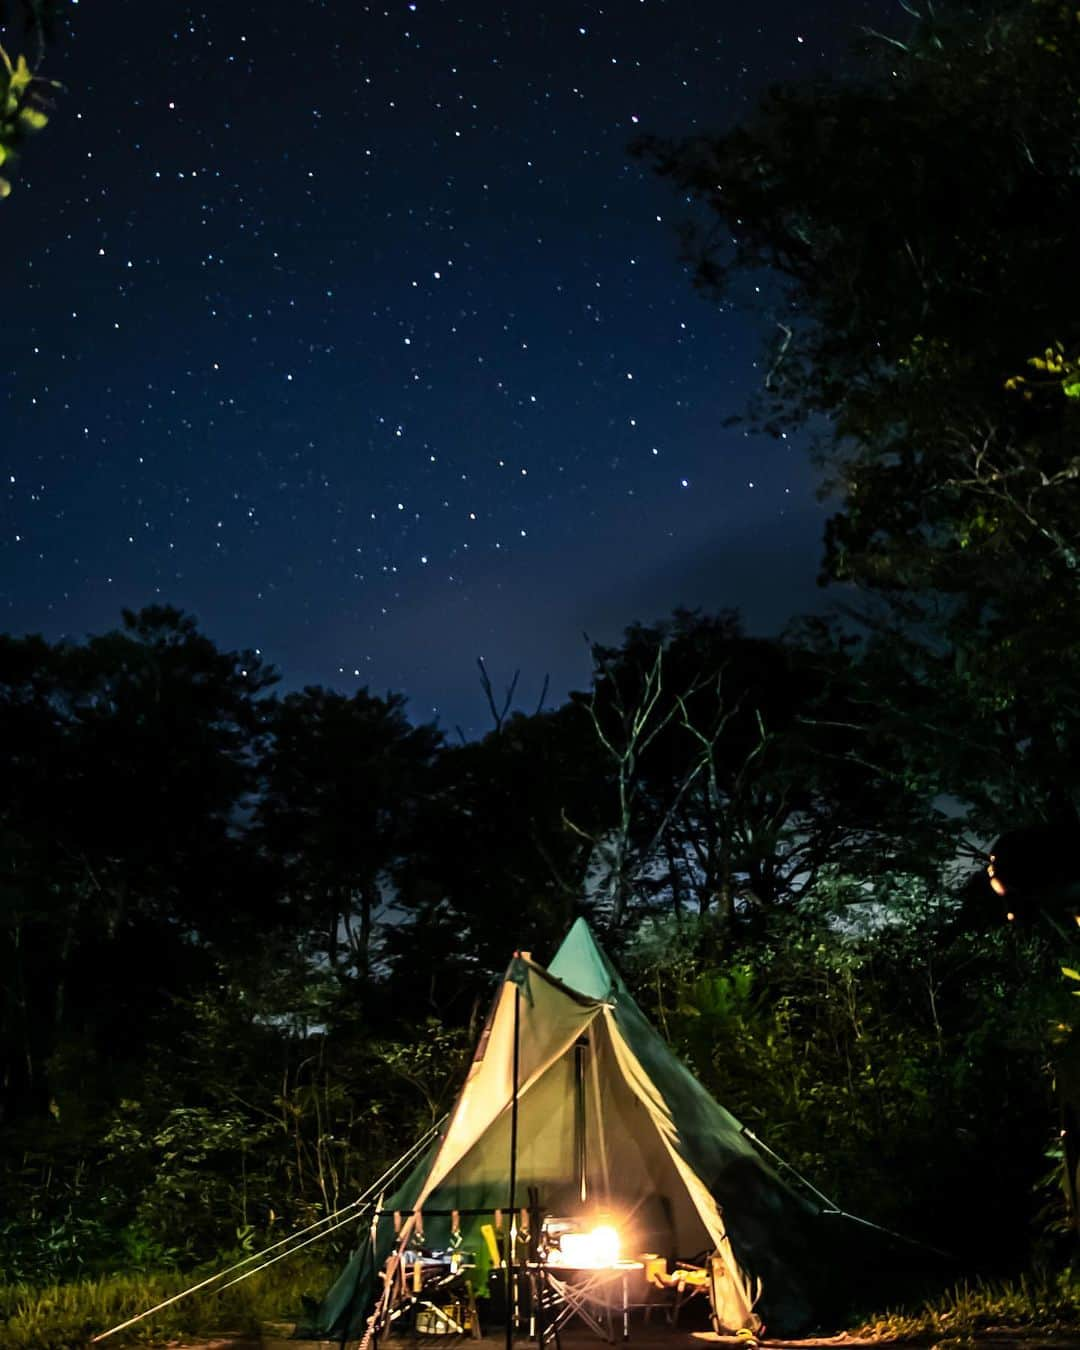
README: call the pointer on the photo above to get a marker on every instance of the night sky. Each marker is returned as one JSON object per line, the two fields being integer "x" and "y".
{"x": 355, "y": 332}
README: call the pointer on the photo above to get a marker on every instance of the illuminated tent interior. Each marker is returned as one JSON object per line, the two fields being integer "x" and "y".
{"x": 612, "y": 1129}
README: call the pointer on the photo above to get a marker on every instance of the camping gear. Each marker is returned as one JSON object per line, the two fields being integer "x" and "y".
{"x": 591, "y": 1295}
{"x": 436, "y": 1290}
{"x": 573, "y": 1098}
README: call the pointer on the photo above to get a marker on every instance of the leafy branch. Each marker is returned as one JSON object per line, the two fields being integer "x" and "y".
{"x": 23, "y": 105}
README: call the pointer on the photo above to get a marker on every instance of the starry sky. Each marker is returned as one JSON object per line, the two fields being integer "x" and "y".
{"x": 354, "y": 331}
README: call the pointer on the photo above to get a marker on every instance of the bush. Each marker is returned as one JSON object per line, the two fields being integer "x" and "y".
{"x": 1036, "y": 1303}
{"x": 66, "y": 1316}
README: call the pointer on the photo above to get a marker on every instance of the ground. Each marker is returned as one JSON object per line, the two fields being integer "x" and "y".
{"x": 664, "y": 1338}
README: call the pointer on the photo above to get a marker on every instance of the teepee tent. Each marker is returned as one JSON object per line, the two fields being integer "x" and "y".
{"x": 607, "y": 1120}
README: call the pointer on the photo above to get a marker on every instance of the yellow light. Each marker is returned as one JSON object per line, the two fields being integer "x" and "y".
{"x": 606, "y": 1245}
{"x": 589, "y": 1250}
{"x": 997, "y": 885}
{"x": 1010, "y": 916}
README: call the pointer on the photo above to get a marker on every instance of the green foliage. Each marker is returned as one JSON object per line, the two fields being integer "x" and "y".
{"x": 24, "y": 102}
{"x": 191, "y": 1193}
{"x": 1046, "y": 1304}
{"x": 738, "y": 767}
{"x": 882, "y": 1049}
{"x": 60, "y": 1316}
{"x": 22, "y": 108}
{"x": 122, "y": 884}
{"x": 494, "y": 824}
{"x": 918, "y": 223}
{"x": 231, "y": 993}
{"x": 919, "y": 219}
{"x": 342, "y": 780}
{"x": 1057, "y": 373}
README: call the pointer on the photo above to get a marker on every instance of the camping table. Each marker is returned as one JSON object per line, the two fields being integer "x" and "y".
{"x": 584, "y": 1292}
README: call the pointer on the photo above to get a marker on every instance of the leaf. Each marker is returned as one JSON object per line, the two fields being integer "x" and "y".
{"x": 21, "y": 76}
{"x": 1070, "y": 973}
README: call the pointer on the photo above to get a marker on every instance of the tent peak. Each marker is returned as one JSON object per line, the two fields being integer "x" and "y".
{"x": 581, "y": 964}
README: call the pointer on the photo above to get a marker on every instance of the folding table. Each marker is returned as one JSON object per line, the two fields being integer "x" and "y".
{"x": 593, "y": 1295}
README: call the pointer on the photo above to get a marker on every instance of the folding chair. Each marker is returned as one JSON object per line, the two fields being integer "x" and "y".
{"x": 588, "y": 1297}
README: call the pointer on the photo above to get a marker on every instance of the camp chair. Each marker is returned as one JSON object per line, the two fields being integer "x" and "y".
{"x": 688, "y": 1281}
{"x": 591, "y": 1296}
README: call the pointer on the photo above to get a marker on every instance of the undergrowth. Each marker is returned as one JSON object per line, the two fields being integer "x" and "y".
{"x": 66, "y": 1316}
{"x": 1038, "y": 1303}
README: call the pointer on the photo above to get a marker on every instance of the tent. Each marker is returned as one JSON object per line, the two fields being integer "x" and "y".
{"x": 607, "y": 1120}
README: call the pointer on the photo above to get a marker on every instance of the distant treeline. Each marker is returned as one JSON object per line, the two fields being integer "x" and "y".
{"x": 248, "y": 938}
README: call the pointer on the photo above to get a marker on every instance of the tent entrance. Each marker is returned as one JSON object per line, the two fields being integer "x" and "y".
{"x": 591, "y": 1149}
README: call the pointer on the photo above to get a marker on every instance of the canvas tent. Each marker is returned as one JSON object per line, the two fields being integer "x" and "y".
{"x": 609, "y": 1120}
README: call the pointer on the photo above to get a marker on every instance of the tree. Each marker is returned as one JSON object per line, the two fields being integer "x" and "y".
{"x": 24, "y": 92}
{"x": 921, "y": 224}
{"x": 492, "y": 864}
{"x": 882, "y": 1049}
{"x": 918, "y": 225}
{"x": 736, "y": 771}
{"x": 126, "y": 765}
{"x": 342, "y": 779}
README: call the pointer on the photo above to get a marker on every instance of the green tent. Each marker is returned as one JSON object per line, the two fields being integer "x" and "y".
{"x": 608, "y": 1121}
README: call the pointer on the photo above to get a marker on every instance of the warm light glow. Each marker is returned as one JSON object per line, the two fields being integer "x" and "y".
{"x": 996, "y": 883}
{"x": 605, "y": 1245}
{"x": 1010, "y": 916}
{"x": 595, "y": 1249}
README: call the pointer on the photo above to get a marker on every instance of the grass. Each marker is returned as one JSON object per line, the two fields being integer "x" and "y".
{"x": 65, "y": 1316}
{"x": 1036, "y": 1304}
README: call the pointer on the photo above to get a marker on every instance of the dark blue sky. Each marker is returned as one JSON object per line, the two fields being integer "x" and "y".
{"x": 354, "y": 331}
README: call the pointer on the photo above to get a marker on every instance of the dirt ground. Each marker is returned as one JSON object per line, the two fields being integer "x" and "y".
{"x": 659, "y": 1338}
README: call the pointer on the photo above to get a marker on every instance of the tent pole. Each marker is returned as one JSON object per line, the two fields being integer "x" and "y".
{"x": 595, "y": 1074}
{"x": 536, "y": 1288}
{"x": 581, "y": 1164}
{"x": 511, "y": 1216}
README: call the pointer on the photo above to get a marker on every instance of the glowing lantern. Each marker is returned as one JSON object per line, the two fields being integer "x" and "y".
{"x": 588, "y": 1250}
{"x": 605, "y": 1245}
